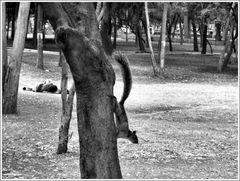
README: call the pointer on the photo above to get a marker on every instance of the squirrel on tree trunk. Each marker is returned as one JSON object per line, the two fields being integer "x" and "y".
{"x": 121, "y": 116}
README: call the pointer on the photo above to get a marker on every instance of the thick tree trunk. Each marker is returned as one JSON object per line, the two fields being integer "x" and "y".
{"x": 163, "y": 41}
{"x": 154, "y": 63}
{"x": 94, "y": 79}
{"x": 11, "y": 82}
{"x": 4, "y": 45}
{"x": 67, "y": 106}
{"x": 40, "y": 38}
{"x": 195, "y": 39}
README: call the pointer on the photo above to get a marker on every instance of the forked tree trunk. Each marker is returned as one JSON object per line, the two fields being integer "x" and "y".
{"x": 4, "y": 45}
{"x": 67, "y": 106}
{"x": 11, "y": 82}
{"x": 94, "y": 79}
{"x": 163, "y": 41}
{"x": 40, "y": 37}
{"x": 154, "y": 63}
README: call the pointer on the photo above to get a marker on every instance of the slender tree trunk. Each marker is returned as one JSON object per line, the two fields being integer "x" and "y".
{"x": 35, "y": 31}
{"x": 139, "y": 37}
{"x": 98, "y": 8}
{"x": 195, "y": 39}
{"x": 8, "y": 24}
{"x": 40, "y": 38}
{"x": 115, "y": 33}
{"x": 175, "y": 25}
{"x": 94, "y": 79}
{"x": 61, "y": 57}
{"x": 4, "y": 45}
{"x": 186, "y": 26}
{"x": 163, "y": 42}
{"x": 146, "y": 33}
{"x": 105, "y": 25}
{"x": 27, "y": 25}
{"x": 169, "y": 27}
{"x": 181, "y": 31}
{"x": 13, "y": 22}
{"x": 154, "y": 63}
{"x": 11, "y": 82}
{"x": 127, "y": 26}
{"x": 67, "y": 106}
{"x": 204, "y": 39}
{"x": 226, "y": 31}
{"x": 218, "y": 31}
{"x": 229, "y": 46}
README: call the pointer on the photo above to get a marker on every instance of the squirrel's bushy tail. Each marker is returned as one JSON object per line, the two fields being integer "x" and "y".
{"x": 126, "y": 75}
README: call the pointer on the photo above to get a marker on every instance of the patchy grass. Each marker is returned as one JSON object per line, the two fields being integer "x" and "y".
{"x": 187, "y": 122}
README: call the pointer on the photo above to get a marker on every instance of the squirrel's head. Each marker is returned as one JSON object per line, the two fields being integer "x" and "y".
{"x": 132, "y": 137}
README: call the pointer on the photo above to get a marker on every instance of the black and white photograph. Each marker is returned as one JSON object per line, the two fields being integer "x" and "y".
{"x": 136, "y": 90}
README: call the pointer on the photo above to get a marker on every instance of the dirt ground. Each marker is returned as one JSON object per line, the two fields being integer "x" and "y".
{"x": 186, "y": 121}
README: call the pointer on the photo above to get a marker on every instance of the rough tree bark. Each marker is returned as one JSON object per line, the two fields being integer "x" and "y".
{"x": 154, "y": 63}
{"x": 11, "y": 81}
{"x": 67, "y": 106}
{"x": 39, "y": 64}
{"x": 77, "y": 34}
{"x": 4, "y": 45}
